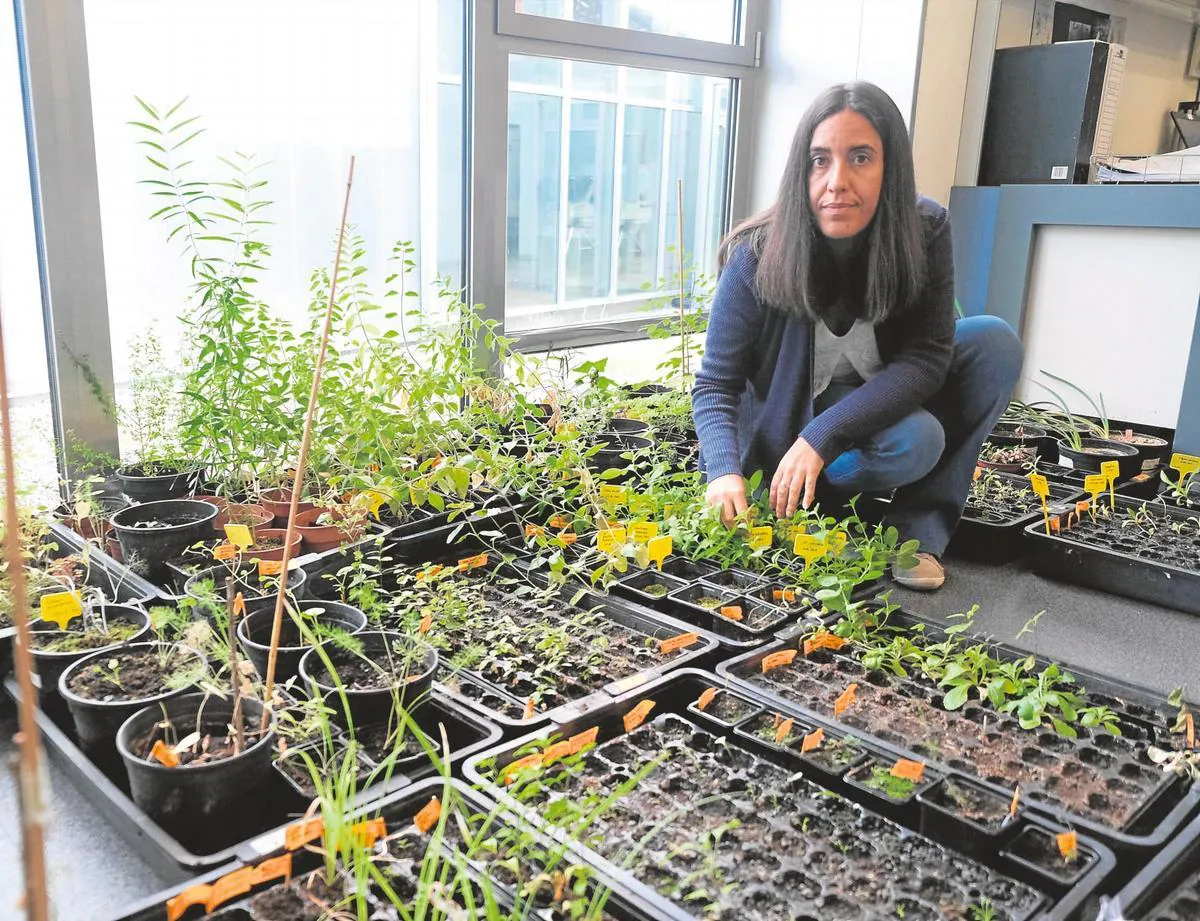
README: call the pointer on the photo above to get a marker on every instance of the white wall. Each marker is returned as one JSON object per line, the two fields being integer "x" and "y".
{"x": 1091, "y": 318}
{"x": 810, "y": 44}
{"x": 1154, "y": 75}
{"x": 945, "y": 61}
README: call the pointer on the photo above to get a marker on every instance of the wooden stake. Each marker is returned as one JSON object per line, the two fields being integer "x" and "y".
{"x": 235, "y": 678}
{"x": 28, "y": 739}
{"x": 302, "y": 460}
{"x": 682, "y": 316}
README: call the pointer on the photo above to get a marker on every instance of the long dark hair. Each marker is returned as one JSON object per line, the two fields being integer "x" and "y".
{"x": 795, "y": 265}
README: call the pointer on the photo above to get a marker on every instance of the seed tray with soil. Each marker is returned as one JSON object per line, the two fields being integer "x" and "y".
{"x": 1168, "y": 888}
{"x": 117, "y": 582}
{"x": 739, "y": 621}
{"x": 560, "y": 649}
{"x": 719, "y": 825}
{"x": 1103, "y": 783}
{"x": 999, "y": 506}
{"x": 1142, "y": 550}
{"x": 276, "y": 802}
{"x": 530, "y": 876}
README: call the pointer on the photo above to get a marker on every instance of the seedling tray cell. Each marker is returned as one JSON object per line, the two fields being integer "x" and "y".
{"x": 1168, "y": 888}
{"x": 278, "y": 803}
{"x": 1103, "y": 784}
{"x": 725, "y": 824}
{"x": 992, "y": 521}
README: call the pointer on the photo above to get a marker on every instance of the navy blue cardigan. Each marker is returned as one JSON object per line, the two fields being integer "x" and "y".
{"x": 753, "y": 393}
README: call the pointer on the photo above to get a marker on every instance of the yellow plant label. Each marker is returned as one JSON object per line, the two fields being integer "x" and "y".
{"x": 760, "y": 538}
{"x": 637, "y": 715}
{"x": 812, "y": 741}
{"x": 809, "y": 547}
{"x": 61, "y": 608}
{"x": 1185, "y": 463}
{"x": 610, "y": 539}
{"x": 659, "y": 548}
{"x": 1112, "y": 470}
{"x": 375, "y": 500}
{"x": 909, "y": 770}
{"x": 837, "y": 542}
{"x": 1096, "y": 483}
{"x": 1039, "y": 484}
{"x": 705, "y": 700}
{"x": 1068, "y": 845}
{"x": 239, "y": 535}
{"x": 224, "y": 552}
{"x": 642, "y": 531}
{"x": 675, "y": 643}
{"x": 613, "y": 495}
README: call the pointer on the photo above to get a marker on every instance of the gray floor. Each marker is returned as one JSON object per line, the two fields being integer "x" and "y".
{"x": 94, "y": 874}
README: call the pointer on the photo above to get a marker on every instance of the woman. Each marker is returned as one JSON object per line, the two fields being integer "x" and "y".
{"x": 833, "y": 352}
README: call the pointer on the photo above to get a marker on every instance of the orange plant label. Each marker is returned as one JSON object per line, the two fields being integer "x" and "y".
{"x": 192, "y": 895}
{"x": 299, "y": 834}
{"x": 706, "y": 699}
{"x": 782, "y": 731}
{"x": 558, "y": 521}
{"x": 534, "y": 530}
{"x": 582, "y": 739}
{"x": 530, "y": 709}
{"x": 909, "y": 770}
{"x": 812, "y": 741}
{"x": 732, "y": 612}
{"x": 977, "y": 474}
{"x": 1081, "y": 507}
{"x": 1068, "y": 844}
{"x": 823, "y": 640}
{"x": 845, "y": 699}
{"x": 637, "y": 715}
{"x": 1056, "y": 525}
{"x": 1016, "y": 802}
{"x": 270, "y": 567}
{"x": 429, "y": 573}
{"x": 675, "y": 643}
{"x": 428, "y": 816}
{"x": 786, "y": 595}
{"x": 557, "y": 750}
{"x": 230, "y": 886}
{"x": 163, "y": 754}
{"x": 473, "y": 562}
{"x": 568, "y": 537}
{"x": 224, "y": 552}
{"x": 239, "y": 605}
{"x": 370, "y": 831}
{"x": 776, "y": 659}
{"x": 1191, "y": 730}
{"x": 276, "y": 868}
{"x": 515, "y": 767}
{"x": 426, "y": 624}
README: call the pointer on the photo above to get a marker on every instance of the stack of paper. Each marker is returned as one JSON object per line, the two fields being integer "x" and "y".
{"x": 1181, "y": 166}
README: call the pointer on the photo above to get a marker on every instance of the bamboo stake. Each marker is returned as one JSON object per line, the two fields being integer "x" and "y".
{"x": 302, "y": 460}
{"x": 33, "y": 847}
{"x": 683, "y": 365}
{"x": 235, "y": 673}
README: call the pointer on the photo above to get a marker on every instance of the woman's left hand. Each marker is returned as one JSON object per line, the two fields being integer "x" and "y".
{"x": 796, "y": 477}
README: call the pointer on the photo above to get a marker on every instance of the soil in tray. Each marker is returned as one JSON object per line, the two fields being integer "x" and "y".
{"x": 1181, "y": 905}
{"x": 996, "y": 500}
{"x": 1142, "y": 532}
{"x": 971, "y": 803}
{"x": 216, "y": 743}
{"x": 128, "y": 675}
{"x": 722, "y": 832}
{"x": 535, "y": 646}
{"x": 1105, "y": 778}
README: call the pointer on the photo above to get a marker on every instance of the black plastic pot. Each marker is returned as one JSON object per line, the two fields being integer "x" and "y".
{"x": 140, "y": 487}
{"x": 146, "y": 550}
{"x": 648, "y": 390}
{"x": 97, "y": 721}
{"x": 49, "y": 666}
{"x": 1152, "y": 450}
{"x": 1125, "y": 455}
{"x": 247, "y": 581}
{"x": 374, "y": 705}
{"x": 254, "y": 631}
{"x": 220, "y": 794}
{"x": 614, "y": 451}
{"x": 622, "y": 426}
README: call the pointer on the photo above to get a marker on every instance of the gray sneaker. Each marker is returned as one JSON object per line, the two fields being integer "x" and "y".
{"x": 927, "y": 576}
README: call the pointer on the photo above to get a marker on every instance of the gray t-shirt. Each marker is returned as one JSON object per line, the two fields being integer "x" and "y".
{"x": 849, "y": 359}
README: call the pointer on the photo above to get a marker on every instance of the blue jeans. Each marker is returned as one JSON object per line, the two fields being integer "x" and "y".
{"x": 929, "y": 456}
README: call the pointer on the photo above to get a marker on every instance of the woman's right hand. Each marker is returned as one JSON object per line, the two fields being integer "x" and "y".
{"x": 729, "y": 494}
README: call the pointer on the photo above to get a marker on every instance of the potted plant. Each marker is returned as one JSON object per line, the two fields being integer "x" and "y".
{"x": 329, "y": 527}
{"x": 99, "y": 627}
{"x": 154, "y": 532}
{"x": 1006, "y": 458}
{"x": 302, "y": 626}
{"x": 1088, "y": 453}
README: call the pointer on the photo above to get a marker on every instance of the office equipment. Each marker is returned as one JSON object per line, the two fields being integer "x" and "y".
{"x": 1187, "y": 126}
{"x": 1051, "y": 109}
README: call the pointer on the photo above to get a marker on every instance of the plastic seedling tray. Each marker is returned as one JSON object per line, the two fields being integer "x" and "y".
{"x": 735, "y": 579}
{"x": 1131, "y": 805}
{"x": 399, "y": 811}
{"x": 278, "y": 801}
{"x": 1128, "y": 562}
{"x": 328, "y": 563}
{"x": 461, "y": 533}
{"x": 737, "y": 824}
{"x": 649, "y": 587}
{"x": 1168, "y": 887}
{"x": 993, "y": 531}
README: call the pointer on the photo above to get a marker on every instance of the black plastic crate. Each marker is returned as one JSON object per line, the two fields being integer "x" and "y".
{"x": 1167, "y": 804}
{"x": 850, "y": 836}
{"x": 172, "y": 858}
{"x": 1168, "y": 888}
{"x": 1067, "y": 555}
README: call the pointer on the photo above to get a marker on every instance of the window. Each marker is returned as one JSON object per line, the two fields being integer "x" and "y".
{"x": 706, "y": 20}
{"x": 596, "y": 153}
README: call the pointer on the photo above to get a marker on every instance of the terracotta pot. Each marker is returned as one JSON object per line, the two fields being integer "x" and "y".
{"x": 219, "y": 501}
{"x": 318, "y": 538}
{"x": 277, "y": 554}
{"x": 89, "y": 528}
{"x": 256, "y": 517}
{"x": 279, "y": 503}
